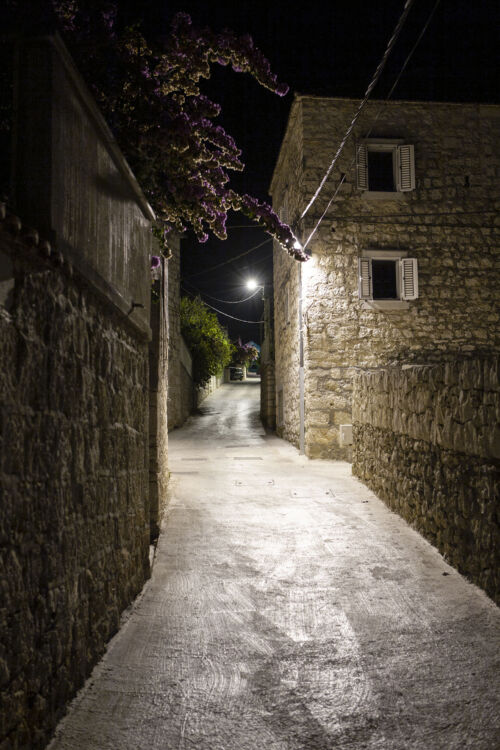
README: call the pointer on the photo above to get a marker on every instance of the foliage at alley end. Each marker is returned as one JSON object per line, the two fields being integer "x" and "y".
{"x": 206, "y": 340}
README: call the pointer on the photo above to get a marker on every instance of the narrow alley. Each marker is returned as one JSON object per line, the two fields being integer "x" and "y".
{"x": 289, "y": 609}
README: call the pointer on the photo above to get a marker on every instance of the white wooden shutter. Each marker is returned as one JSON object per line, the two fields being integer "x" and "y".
{"x": 406, "y": 168}
{"x": 365, "y": 278}
{"x": 409, "y": 278}
{"x": 362, "y": 166}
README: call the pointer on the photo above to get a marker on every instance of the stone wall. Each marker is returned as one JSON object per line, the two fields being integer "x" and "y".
{"x": 286, "y": 190}
{"x": 286, "y": 333}
{"x": 74, "y": 531}
{"x": 267, "y": 370}
{"x": 182, "y": 396}
{"x": 213, "y": 384}
{"x": 448, "y": 223}
{"x": 74, "y": 333}
{"x": 427, "y": 441}
{"x": 158, "y": 403}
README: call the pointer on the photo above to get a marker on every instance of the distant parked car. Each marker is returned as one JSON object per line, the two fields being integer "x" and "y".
{"x": 236, "y": 373}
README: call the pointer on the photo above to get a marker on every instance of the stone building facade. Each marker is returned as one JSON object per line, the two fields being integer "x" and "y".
{"x": 404, "y": 265}
{"x": 75, "y": 288}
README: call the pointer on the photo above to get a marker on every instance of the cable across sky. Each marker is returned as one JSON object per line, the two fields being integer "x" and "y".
{"x": 240, "y": 320}
{"x": 373, "y": 82}
{"x": 230, "y": 260}
{"x": 224, "y": 301}
{"x": 367, "y": 134}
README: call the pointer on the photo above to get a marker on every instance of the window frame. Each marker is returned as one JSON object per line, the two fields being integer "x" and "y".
{"x": 402, "y": 152}
{"x": 401, "y": 303}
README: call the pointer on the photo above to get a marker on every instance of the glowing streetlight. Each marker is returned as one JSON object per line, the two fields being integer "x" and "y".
{"x": 253, "y": 285}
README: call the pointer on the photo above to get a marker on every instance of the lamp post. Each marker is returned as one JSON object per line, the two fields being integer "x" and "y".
{"x": 252, "y": 285}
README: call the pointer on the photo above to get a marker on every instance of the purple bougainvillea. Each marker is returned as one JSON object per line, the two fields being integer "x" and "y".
{"x": 150, "y": 95}
{"x": 244, "y": 354}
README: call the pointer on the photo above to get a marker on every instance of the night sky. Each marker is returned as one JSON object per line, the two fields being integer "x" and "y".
{"x": 328, "y": 48}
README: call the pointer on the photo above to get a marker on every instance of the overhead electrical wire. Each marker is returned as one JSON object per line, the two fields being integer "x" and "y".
{"x": 373, "y": 82}
{"x": 349, "y": 130}
{"x": 225, "y": 301}
{"x": 230, "y": 260}
{"x": 240, "y": 320}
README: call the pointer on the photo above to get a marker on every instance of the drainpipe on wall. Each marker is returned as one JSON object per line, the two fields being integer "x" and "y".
{"x": 301, "y": 371}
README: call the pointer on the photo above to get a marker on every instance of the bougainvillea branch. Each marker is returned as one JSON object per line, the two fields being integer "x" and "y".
{"x": 150, "y": 94}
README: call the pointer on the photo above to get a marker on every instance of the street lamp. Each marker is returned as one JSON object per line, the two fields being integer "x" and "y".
{"x": 252, "y": 285}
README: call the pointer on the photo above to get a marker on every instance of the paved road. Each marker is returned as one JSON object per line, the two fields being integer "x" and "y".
{"x": 289, "y": 610}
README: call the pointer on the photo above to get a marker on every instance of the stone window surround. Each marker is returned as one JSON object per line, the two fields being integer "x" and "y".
{"x": 383, "y": 144}
{"x": 385, "y": 304}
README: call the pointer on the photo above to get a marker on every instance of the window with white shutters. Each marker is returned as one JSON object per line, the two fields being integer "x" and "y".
{"x": 385, "y": 166}
{"x": 387, "y": 279}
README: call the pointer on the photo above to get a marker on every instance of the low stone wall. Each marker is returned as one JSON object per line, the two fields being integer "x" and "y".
{"x": 427, "y": 441}
{"x": 213, "y": 384}
{"x": 183, "y": 397}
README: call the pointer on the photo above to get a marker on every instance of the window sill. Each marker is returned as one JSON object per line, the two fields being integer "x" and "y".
{"x": 385, "y": 304}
